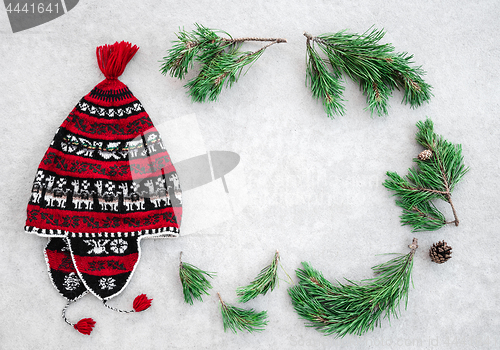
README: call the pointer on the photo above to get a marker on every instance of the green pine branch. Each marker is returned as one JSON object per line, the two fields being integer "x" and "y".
{"x": 325, "y": 86}
{"x": 222, "y": 70}
{"x": 238, "y": 319}
{"x": 376, "y": 67}
{"x": 221, "y": 59}
{"x": 434, "y": 178}
{"x": 353, "y": 307}
{"x": 194, "y": 281}
{"x": 264, "y": 282}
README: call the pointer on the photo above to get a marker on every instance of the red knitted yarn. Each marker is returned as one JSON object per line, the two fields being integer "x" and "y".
{"x": 85, "y": 326}
{"x": 113, "y": 59}
{"x": 141, "y": 303}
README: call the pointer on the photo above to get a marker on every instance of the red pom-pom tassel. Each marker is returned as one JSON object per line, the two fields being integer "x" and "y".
{"x": 113, "y": 59}
{"x": 141, "y": 303}
{"x": 85, "y": 326}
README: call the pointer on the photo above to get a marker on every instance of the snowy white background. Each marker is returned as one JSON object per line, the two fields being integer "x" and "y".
{"x": 313, "y": 186}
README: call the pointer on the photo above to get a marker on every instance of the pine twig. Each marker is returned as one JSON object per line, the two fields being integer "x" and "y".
{"x": 325, "y": 86}
{"x": 237, "y": 319}
{"x": 435, "y": 178}
{"x": 264, "y": 282}
{"x": 222, "y": 70}
{"x": 194, "y": 281}
{"x": 221, "y": 60}
{"x": 376, "y": 67}
{"x": 354, "y": 307}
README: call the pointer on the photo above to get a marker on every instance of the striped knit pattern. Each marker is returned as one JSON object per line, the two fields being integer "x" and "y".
{"x": 106, "y": 172}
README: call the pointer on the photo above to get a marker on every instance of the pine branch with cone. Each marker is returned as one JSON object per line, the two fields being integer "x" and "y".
{"x": 440, "y": 168}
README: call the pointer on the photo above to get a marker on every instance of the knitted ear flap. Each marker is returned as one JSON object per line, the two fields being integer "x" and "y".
{"x": 62, "y": 271}
{"x": 105, "y": 183}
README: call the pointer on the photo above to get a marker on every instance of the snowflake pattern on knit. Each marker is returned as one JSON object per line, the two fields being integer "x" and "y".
{"x": 118, "y": 246}
{"x": 107, "y": 283}
{"x": 71, "y": 281}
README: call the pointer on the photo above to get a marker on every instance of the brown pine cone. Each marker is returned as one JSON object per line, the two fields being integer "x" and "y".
{"x": 425, "y": 155}
{"x": 440, "y": 252}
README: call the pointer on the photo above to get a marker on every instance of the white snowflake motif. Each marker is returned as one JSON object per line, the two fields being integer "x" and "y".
{"x": 118, "y": 246}
{"x": 107, "y": 283}
{"x": 71, "y": 281}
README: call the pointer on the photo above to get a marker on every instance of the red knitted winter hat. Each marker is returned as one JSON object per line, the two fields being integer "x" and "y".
{"x": 105, "y": 183}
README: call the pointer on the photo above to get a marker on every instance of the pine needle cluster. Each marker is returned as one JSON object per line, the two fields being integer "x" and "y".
{"x": 238, "y": 319}
{"x": 222, "y": 60}
{"x": 376, "y": 67}
{"x": 266, "y": 280}
{"x": 353, "y": 307}
{"x": 435, "y": 178}
{"x": 194, "y": 281}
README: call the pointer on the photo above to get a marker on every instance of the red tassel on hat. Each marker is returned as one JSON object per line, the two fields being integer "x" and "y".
{"x": 113, "y": 59}
{"x": 141, "y": 303}
{"x": 85, "y": 326}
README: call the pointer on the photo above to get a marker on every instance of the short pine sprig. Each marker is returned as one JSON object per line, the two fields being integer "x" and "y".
{"x": 353, "y": 307}
{"x": 376, "y": 67}
{"x": 222, "y": 62}
{"x": 194, "y": 281}
{"x": 222, "y": 70}
{"x": 180, "y": 58}
{"x": 266, "y": 281}
{"x": 238, "y": 319}
{"x": 434, "y": 178}
{"x": 325, "y": 86}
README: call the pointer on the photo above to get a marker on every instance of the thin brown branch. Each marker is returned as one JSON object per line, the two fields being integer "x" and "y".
{"x": 446, "y": 185}
{"x": 456, "y": 221}
{"x": 424, "y": 214}
{"x": 408, "y": 81}
{"x": 377, "y": 92}
{"x": 221, "y": 77}
{"x": 313, "y": 62}
{"x": 240, "y": 40}
{"x": 413, "y": 84}
{"x": 218, "y": 80}
{"x": 315, "y": 39}
{"x": 191, "y": 44}
{"x": 323, "y": 320}
{"x": 316, "y": 282}
{"x": 445, "y": 193}
{"x": 221, "y": 301}
{"x": 265, "y": 47}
